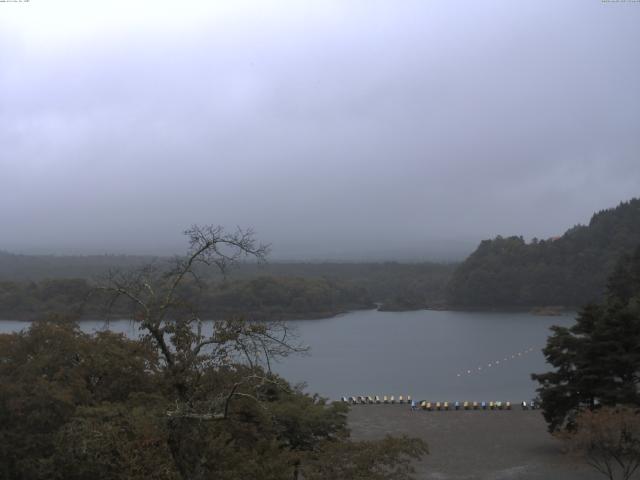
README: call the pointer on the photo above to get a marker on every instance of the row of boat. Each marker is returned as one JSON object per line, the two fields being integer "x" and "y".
{"x": 424, "y": 405}
{"x": 430, "y": 406}
{"x": 376, "y": 399}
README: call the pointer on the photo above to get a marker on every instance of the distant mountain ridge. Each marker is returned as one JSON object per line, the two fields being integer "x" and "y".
{"x": 569, "y": 271}
{"x": 36, "y": 267}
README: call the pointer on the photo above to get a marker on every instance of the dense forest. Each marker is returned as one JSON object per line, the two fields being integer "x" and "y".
{"x": 567, "y": 271}
{"x": 75, "y": 406}
{"x": 34, "y": 285}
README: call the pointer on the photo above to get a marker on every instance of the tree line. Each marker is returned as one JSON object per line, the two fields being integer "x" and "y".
{"x": 263, "y": 297}
{"x": 32, "y": 286}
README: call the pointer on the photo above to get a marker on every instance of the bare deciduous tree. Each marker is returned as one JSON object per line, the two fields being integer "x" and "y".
{"x": 162, "y": 303}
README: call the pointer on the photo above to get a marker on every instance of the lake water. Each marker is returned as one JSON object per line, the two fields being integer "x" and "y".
{"x": 432, "y": 355}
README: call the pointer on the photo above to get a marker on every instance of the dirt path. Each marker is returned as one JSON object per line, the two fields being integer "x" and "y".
{"x": 482, "y": 445}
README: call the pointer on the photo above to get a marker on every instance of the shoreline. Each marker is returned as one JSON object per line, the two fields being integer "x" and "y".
{"x": 311, "y": 316}
{"x": 285, "y": 318}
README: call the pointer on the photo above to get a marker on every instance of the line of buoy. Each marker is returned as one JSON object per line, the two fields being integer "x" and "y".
{"x": 494, "y": 363}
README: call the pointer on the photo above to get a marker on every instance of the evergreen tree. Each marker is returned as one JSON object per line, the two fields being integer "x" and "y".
{"x": 597, "y": 360}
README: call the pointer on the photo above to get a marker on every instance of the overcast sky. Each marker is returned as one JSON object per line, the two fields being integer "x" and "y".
{"x": 336, "y": 129}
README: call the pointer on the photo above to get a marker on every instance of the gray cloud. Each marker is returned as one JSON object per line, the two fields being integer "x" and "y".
{"x": 346, "y": 129}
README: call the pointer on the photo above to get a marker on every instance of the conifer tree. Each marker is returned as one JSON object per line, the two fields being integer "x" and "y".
{"x": 597, "y": 360}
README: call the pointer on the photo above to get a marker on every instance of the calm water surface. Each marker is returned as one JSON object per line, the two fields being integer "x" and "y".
{"x": 427, "y": 354}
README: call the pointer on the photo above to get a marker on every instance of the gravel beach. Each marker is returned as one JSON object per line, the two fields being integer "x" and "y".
{"x": 470, "y": 445}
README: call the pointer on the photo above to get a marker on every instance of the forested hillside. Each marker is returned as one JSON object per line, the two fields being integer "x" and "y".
{"x": 567, "y": 271}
